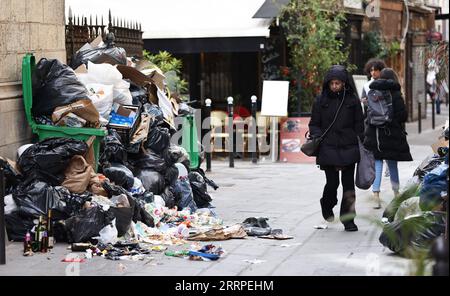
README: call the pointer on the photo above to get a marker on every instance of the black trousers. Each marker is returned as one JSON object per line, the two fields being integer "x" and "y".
{"x": 329, "y": 199}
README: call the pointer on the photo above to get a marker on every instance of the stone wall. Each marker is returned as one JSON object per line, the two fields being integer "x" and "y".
{"x": 35, "y": 26}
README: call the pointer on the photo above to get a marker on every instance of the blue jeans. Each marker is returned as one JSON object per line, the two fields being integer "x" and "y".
{"x": 393, "y": 171}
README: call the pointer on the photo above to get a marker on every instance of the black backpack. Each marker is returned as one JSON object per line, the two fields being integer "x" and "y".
{"x": 380, "y": 111}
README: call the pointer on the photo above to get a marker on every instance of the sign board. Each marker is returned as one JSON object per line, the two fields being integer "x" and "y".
{"x": 359, "y": 80}
{"x": 275, "y": 98}
{"x": 292, "y": 137}
{"x": 357, "y": 4}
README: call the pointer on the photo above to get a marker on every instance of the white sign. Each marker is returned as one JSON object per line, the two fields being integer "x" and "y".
{"x": 275, "y": 98}
{"x": 359, "y": 80}
{"x": 357, "y": 4}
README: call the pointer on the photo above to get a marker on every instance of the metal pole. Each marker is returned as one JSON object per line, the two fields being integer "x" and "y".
{"x": 254, "y": 127}
{"x": 433, "y": 111}
{"x": 230, "y": 131}
{"x": 420, "y": 117}
{"x": 208, "y": 103}
{"x": 2, "y": 219}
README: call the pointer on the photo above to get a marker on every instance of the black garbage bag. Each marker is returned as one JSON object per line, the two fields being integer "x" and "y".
{"x": 208, "y": 181}
{"x": 75, "y": 202}
{"x": 124, "y": 217}
{"x": 155, "y": 112}
{"x": 120, "y": 175}
{"x": 17, "y": 226}
{"x": 148, "y": 161}
{"x": 152, "y": 181}
{"x": 137, "y": 206}
{"x": 60, "y": 232}
{"x": 256, "y": 226}
{"x": 33, "y": 198}
{"x": 12, "y": 177}
{"x": 112, "y": 149}
{"x": 48, "y": 159}
{"x": 171, "y": 175}
{"x": 87, "y": 224}
{"x": 429, "y": 164}
{"x": 168, "y": 197}
{"x": 158, "y": 139}
{"x": 113, "y": 55}
{"x": 413, "y": 234}
{"x": 175, "y": 154}
{"x": 199, "y": 189}
{"x": 54, "y": 85}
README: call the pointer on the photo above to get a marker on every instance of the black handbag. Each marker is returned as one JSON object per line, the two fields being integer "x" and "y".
{"x": 311, "y": 146}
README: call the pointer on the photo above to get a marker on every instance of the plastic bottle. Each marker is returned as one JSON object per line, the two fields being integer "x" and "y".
{"x": 183, "y": 231}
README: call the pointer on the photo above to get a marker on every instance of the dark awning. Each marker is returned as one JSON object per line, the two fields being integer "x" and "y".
{"x": 270, "y": 8}
{"x": 198, "y": 45}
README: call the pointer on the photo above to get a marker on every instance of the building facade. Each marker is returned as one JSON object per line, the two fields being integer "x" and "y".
{"x": 35, "y": 26}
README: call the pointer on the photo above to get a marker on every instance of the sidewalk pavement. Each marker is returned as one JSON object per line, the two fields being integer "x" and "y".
{"x": 287, "y": 194}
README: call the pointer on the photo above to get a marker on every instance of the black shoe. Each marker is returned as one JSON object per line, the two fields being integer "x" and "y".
{"x": 327, "y": 213}
{"x": 350, "y": 226}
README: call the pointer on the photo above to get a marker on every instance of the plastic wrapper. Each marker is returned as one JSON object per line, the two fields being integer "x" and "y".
{"x": 414, "y": 233}
{"x": 47, "y": 160}
{"x": 152, "y": 181}
{"x": 120, "y": 175}
{"x": 54, "y": 85}
{"x": 87, "y": 224}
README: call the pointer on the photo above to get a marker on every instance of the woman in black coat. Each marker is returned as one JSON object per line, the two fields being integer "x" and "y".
{"x": 388, "y": 142}
{"x": 339, "y": 151}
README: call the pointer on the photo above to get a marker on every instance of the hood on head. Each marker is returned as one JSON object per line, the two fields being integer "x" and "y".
{"x": 338, "y": 72}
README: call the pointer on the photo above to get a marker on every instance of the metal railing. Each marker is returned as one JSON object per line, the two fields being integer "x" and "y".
{"x": 128, "y": 34}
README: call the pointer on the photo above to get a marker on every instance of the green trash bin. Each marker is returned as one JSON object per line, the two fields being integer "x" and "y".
{"x": 48, "y": 131}
{"x": 190, "y": 141}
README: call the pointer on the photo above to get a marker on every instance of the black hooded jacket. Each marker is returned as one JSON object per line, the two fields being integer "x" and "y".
{"x": 340, "y": 146}
{"x": 391, "y": 143}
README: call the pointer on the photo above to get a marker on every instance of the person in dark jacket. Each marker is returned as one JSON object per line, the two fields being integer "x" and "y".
{"x": 339, "y": 150}
{"x": 388, "y": 142}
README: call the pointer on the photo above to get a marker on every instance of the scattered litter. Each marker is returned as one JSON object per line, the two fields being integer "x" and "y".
{"x": 321, "y": 226}
{"x": 254, "y": 261}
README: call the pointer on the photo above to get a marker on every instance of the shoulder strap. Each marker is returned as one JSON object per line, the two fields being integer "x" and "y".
{"x": 335, "y": 118}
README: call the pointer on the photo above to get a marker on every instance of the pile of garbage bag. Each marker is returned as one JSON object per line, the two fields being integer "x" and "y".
{"x": 144, "y": 186}
{"x": 416, "y": 217}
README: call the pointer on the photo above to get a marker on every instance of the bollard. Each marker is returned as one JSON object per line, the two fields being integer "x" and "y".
{"x": 420, "y": 117}
{"x": 439, "y": 251}
{"x": 208, "y": 103}
{"x": 254, "y": 127}
{"x": 2, "y": 219}
{"x": 433, "y": 111}
{"x": 230, "y": 131}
